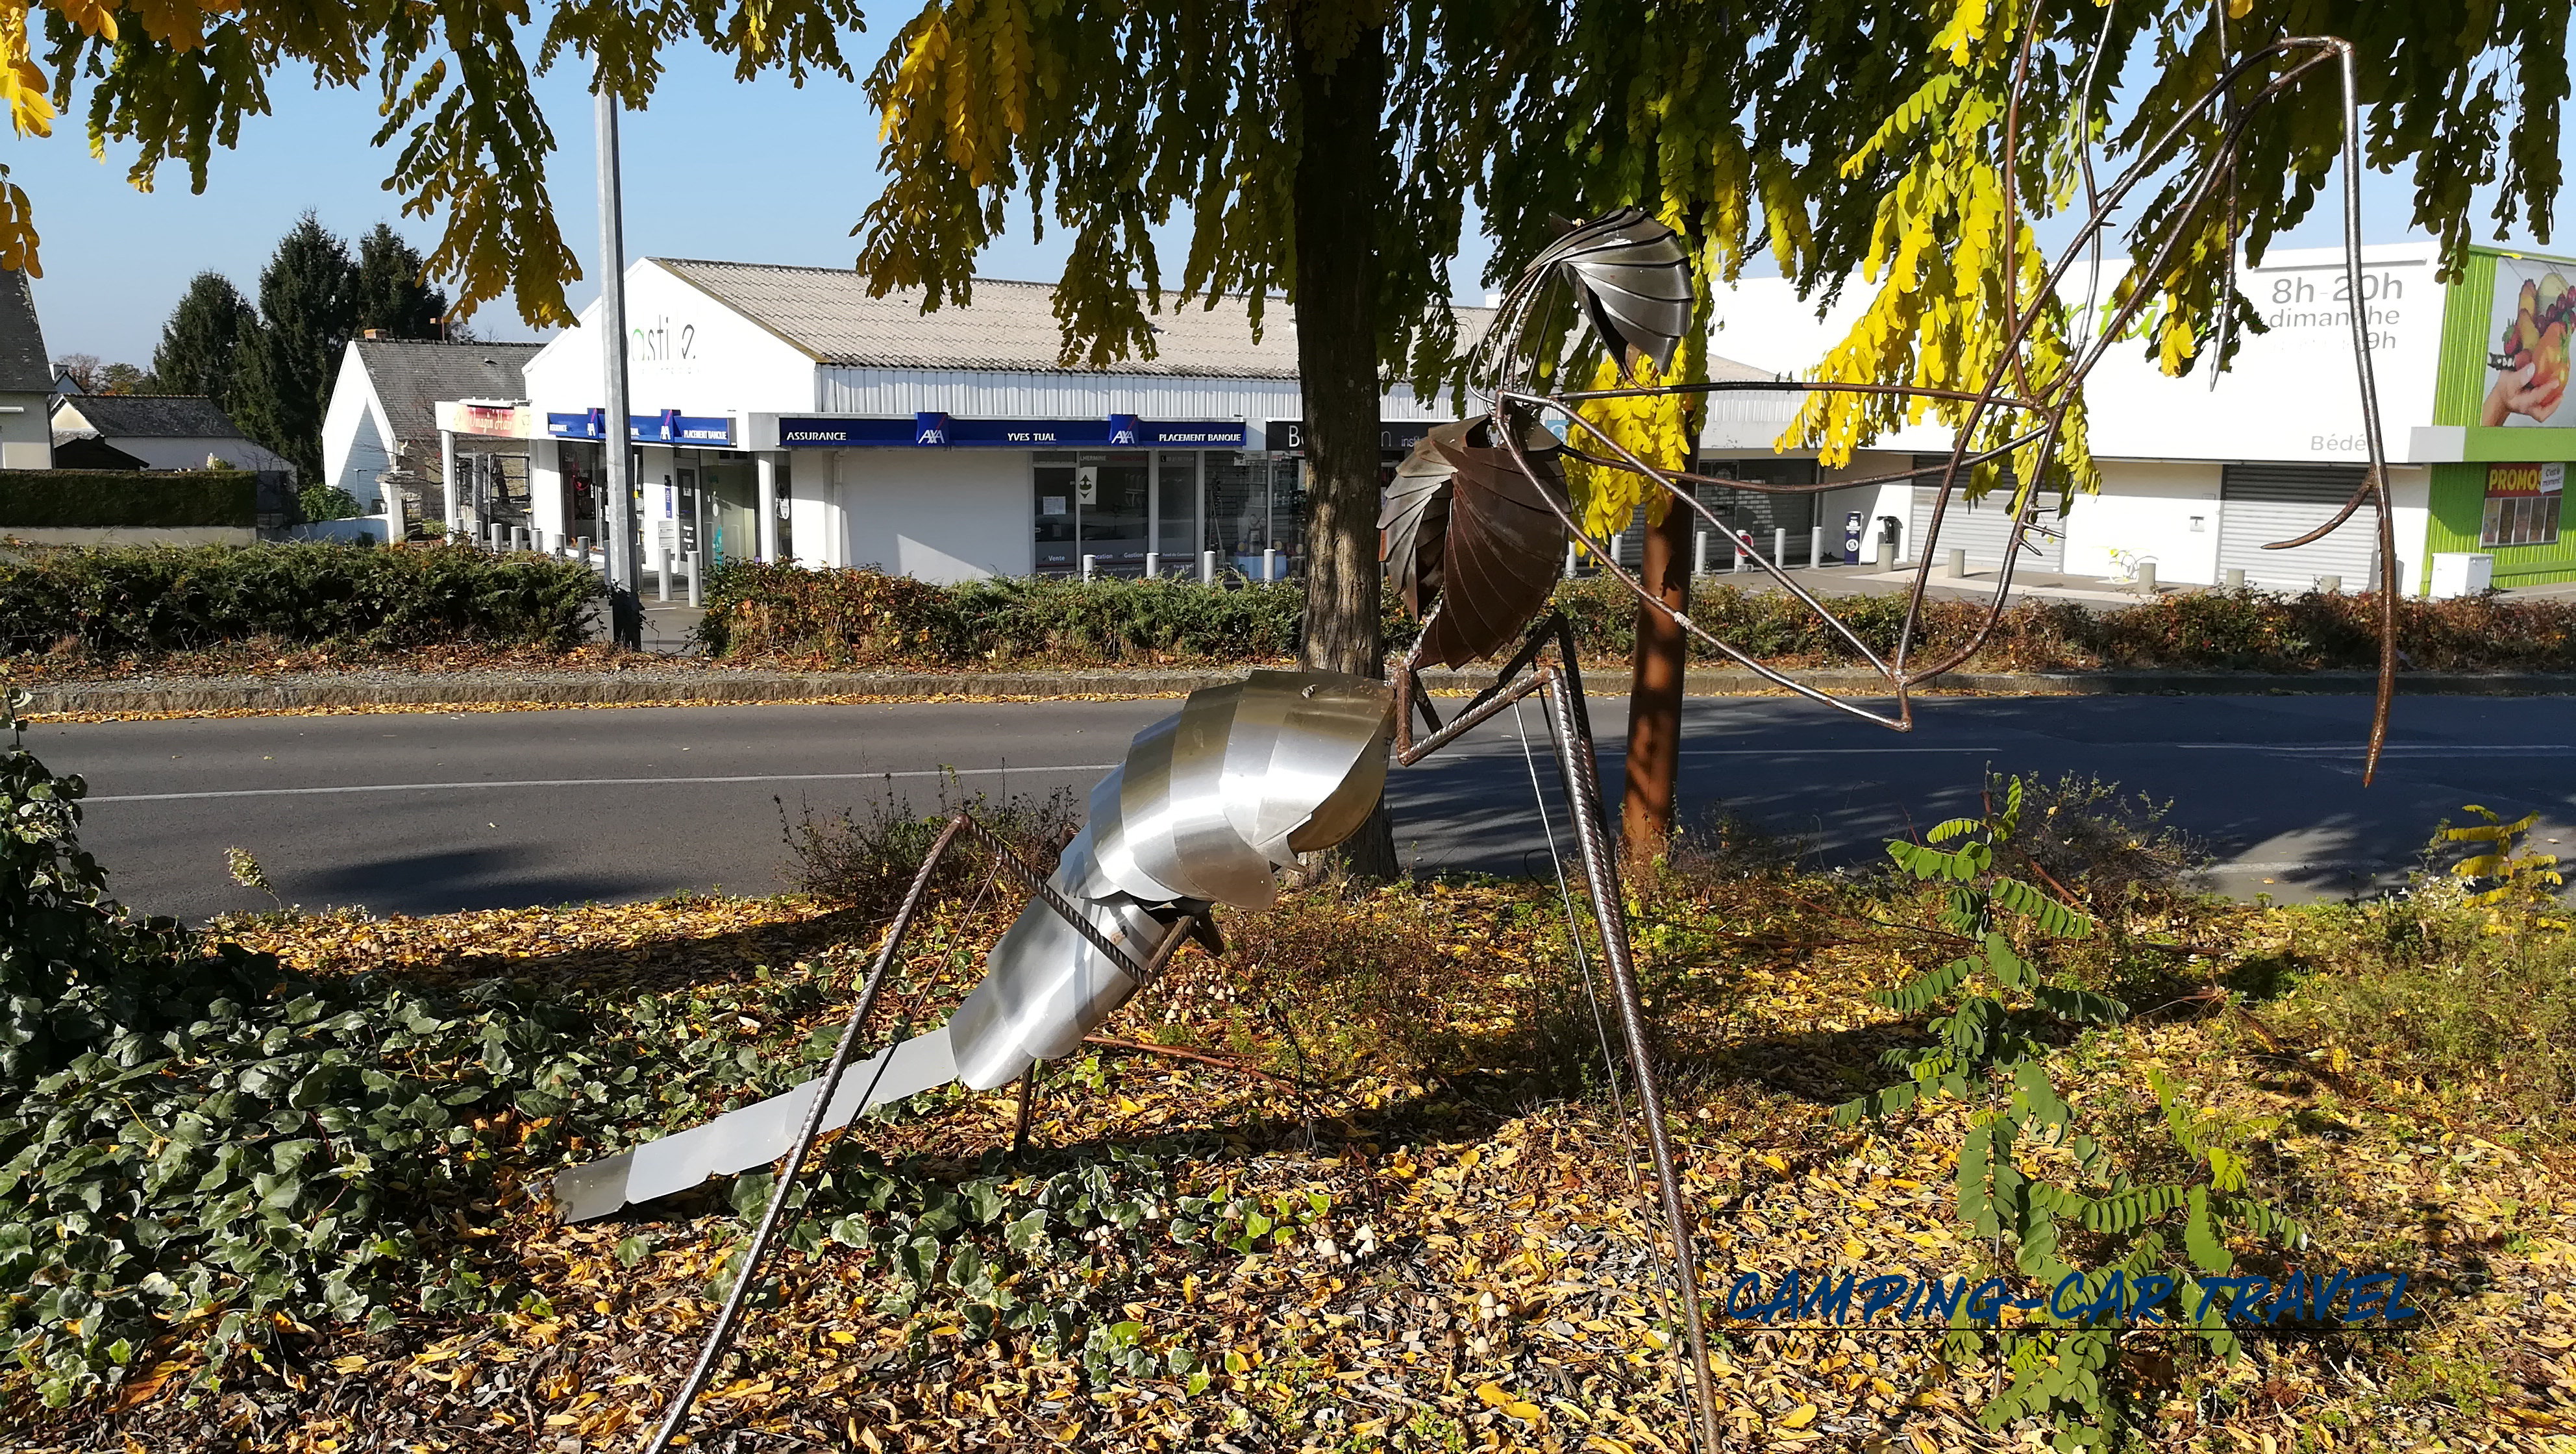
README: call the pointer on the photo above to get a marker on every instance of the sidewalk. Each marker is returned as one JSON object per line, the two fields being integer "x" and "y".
{"x": 707, "y": 685}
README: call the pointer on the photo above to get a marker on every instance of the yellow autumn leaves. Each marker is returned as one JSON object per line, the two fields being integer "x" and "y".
{"x": 1964, "y": 300}
{"x": 971, "y": 64}
{"x": 1661, "y": 430}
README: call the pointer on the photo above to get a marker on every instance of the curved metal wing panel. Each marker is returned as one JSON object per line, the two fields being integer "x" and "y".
{"x": 1416, "y": 522}
{"x": 1504, "y": 546}
{"x": 1633, "y": 275}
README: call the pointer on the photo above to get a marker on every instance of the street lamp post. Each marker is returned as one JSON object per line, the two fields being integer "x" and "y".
{"x": 625, "y": 608}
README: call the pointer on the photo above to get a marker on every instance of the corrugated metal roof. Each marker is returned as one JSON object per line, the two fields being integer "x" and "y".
{"x": 24, "y": 368}
{"x": 412, "y": 375}
{"x": 827, "y": 313}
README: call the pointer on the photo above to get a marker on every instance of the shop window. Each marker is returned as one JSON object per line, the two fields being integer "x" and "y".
{"x": 2522, "y": 504}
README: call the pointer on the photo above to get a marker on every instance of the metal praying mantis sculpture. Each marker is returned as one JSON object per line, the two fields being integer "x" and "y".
{"x": 1248, "y": 776}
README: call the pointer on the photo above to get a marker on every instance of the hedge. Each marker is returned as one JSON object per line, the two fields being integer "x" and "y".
{"x": 127, "y": 499}
{"x": 112, "y": 602}
{"x": 868, "y": 618}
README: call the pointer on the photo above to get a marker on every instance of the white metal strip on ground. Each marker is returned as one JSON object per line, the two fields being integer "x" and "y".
{"x": 754, "y": 1135}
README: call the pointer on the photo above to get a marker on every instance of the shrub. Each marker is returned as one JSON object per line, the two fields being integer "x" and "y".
{"x": 127, "y": 499}
{"x": 123, "y": 601}
{"x": 196, "y": 1144}
{"x": 328, "y": 502}
{"x": 866, "y": 617}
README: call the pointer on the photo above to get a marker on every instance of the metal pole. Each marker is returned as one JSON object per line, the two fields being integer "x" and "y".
{"x": 697, "y": 577}
{"x": 1601, "y": 875}
{"x": 625, "y": 611}
{"x": 1207, "y": 567}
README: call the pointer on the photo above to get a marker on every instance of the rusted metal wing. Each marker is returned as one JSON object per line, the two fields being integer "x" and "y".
{"x": 1633, "y": 275}
{"x": 1464, "y": 525}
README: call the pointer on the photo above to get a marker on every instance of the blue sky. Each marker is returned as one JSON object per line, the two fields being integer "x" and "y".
{"x": 763, "y": 172}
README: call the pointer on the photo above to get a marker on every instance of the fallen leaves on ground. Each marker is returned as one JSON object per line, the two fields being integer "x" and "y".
{"x": 1428, "y": 1227}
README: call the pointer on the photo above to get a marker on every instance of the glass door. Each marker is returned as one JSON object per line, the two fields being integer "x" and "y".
{"x": 1176, "y": 512}
{"x": 1057, "y": 551}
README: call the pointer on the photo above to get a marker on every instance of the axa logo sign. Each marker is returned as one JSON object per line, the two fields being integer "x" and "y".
{"x": 1124, "y": 430}
{"x": 930, "y": 429}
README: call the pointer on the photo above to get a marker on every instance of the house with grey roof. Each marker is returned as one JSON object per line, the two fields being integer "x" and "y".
{"x": 154, "y": 432}
{"x": 381, "y": 431}
{"x": 26, "y": 379}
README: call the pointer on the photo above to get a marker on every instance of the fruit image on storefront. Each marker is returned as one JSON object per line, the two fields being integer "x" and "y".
{"x": 2530, "y": 360}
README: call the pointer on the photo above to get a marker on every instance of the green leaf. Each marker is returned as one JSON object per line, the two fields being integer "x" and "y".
{"x": 2200, "y": 1238}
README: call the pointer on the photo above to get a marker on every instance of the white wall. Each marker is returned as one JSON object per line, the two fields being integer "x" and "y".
{"x": 26, "y": 432}
{"x": 817, "y": 527}
{"x": 2147, "y": 508}
{"x": 190, "y": 454}
{"x": 684, "y": 351}
{"x": 941, "y": 515}
{"x": 545, "y": 490}
{"x": 355, "y": 448}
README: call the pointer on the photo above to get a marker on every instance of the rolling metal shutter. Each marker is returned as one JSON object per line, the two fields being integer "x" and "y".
{"x": 1981, "y": 530}
{"x": 2261, "y": 503}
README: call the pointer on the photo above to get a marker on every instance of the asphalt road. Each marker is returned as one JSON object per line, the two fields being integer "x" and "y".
{"x": 428, "y": 813}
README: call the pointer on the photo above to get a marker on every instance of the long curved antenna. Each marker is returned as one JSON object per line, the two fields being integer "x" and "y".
{"x": 1504, "y": 372}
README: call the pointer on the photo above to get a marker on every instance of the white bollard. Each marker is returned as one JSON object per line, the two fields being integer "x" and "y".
{"x": 1270, "y": 564}
{"x": 1780, "y": 546}
{"x": 2329, "y": 585}
{"x": 527, "y": 538}
{"x": 662, "y": 574}
{"x": 1699, "y": 552}
{"x": 2234, "y": 578}
{"x": 697, "y": 594}
{"x": 2146, "y": 578}
{"x": 1153, "y": 565}
{"x": 1569, "y": 560}
{"x": 1815, "y": 546}
{"x": 1958, "y": 563}
{"x": 1743, "y": 551}
{"x": 1207, "y": 567}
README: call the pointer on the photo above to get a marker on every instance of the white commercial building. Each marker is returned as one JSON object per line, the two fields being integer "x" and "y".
{"x": 782, "y": 413}
{"x": 2198, "y": 476}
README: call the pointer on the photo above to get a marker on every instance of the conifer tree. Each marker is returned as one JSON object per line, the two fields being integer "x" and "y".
{"x": 200, "y": 350}
{"x": 307, "y": 309}
{"x": 391, "y": 298}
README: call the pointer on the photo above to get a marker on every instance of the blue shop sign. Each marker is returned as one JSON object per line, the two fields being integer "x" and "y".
{"x": 945, "y": 431}
{"x": 668, "y": 427}
{"x": 840, "y": 433}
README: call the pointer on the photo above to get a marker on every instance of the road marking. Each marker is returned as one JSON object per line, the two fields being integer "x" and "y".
{"x": 590, "y": 782}
{"x": 2310, "y": 750}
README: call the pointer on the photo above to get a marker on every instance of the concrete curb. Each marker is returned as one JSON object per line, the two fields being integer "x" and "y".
{"x": 240, "y": 694}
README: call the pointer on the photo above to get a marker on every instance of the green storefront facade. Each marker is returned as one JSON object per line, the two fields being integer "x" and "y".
{"x": 2503, "y": 437}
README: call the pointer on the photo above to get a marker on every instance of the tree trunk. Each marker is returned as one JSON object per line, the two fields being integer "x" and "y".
{"x": 1655, "y": 692}
{"x": 1341, "y": 174}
